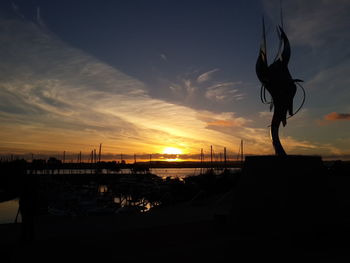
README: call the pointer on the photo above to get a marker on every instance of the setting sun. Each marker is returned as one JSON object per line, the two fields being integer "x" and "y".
{"x": 172, "y": 150}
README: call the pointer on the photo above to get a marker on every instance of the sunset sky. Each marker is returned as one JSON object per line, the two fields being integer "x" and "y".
{"x": 145, "y": 76}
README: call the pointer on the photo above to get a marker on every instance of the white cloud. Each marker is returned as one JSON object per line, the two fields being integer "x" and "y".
{"x": 163, "y": 57}
{"x": 75, "y": 97}
{"x": 224, "y": 92}
{"x": 60, "y": 98}
{"x": 206, "y": 76}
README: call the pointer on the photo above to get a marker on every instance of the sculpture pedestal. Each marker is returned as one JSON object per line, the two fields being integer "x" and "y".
{"x": 281, "y": 192}
{"x": 292, "y": 165}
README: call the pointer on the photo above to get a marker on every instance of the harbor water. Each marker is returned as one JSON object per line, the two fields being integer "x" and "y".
{"x": 9, "y": 209}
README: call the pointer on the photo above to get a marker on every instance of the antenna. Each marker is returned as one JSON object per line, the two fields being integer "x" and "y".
{"x": 281, "y": 14}
{"x": 264, "y": 39}
{"x": 278, "y": 55}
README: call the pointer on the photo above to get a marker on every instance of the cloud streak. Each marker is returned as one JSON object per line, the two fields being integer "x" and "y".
{"x": 206, "y": 76}
{"x": 224, "y": 92}
{"x": 312, "y": 23}
{"x": 66, "y": 94}
{"x": 334, "y": 116}
{"x": 163, "y": 57}
{"x": 55, "y": 98}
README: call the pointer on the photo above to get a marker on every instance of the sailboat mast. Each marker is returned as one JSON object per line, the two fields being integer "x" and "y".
{"x": 242, "y": 158}
{"x": 99, "y": 153}
{"x": 225, "y": 160}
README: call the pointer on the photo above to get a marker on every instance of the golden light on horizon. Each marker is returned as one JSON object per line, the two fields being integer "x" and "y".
{"x": 173, "y": 160}
{"x": 172, "y": 150}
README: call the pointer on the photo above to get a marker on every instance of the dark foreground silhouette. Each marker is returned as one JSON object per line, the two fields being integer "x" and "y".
{"x": 28, "y": 206}
{"x": 284, "y": 209}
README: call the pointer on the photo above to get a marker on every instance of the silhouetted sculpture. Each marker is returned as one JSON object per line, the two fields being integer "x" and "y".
{"x": 278, "y": 81}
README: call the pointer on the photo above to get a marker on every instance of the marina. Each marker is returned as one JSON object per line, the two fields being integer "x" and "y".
{"x": 86, "y": 192}
{"x": 206, "y": 220}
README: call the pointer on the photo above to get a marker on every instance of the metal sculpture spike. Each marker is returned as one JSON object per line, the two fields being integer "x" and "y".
{"x": 277, "y": 80}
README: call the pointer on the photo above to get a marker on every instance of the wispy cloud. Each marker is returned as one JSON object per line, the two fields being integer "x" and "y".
{"x": 55, "y": 97}
{"x": 331, "y": 78}
{"x": 16, "y": 9}
{"x": 206, "y": 76}
{"x": 224, "y": 119}
{"x": 190, "y": 92}
{"x": 265, "y": 114}
{"x": 224, "y": 123}
{"x": 312, "y": 23}
{"x": 163, "y": 57}
{"x": 62, "y": 97}
{"x": 224, "y": 91}
{"x": 39, "y": 19}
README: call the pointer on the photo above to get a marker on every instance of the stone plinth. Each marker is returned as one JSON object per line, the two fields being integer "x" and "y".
{"x": 281, "y": 192}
